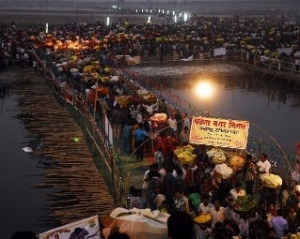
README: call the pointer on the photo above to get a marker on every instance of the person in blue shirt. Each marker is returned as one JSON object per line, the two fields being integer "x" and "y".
{"x": 140, "y": 137}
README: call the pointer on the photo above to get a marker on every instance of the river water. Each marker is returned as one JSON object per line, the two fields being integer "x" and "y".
{"x": 272, "y": 109}
{"x": 22, "y": 207}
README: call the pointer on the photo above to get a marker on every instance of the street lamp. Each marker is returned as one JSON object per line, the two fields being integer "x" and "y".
{"x": 174, "y": 12}
{"x": 46, "y": 29}
{"x": 107, "y": 17}
{"x": 205, "y": 90}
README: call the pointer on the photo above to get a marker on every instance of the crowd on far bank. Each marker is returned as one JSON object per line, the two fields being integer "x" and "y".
{"x": 254, "y": 40}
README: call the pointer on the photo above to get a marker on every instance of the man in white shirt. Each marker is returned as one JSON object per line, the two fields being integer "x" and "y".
{"x": 218, "y": 213}
{"x": 151, "y": 108}
{"x": 145, "y": 185}
{"x": 237, "y": 191}
{"x": 162, "y": 172}
{"x": 139, "y": 118}
{"x": 229, "y": 207}
{"x": 172, "y": 122}
{"x": 263, "y": 164}
{"x": 134, "y": 111}
{"x": 205, "y": 206}
{"x": 159, "y": 157}
{"x": 244, "y": 223}
{"x": 186, "y": 121}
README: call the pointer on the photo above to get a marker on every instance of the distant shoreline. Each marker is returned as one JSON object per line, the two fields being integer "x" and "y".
{"x": 63, "y": 12}
{"x": 238, "y": 7}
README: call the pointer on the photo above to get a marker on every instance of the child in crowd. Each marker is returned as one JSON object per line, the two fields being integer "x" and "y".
{"x": 134, "y": 200}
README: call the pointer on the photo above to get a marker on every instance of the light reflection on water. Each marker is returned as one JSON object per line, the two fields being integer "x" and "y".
{"x": 22, "y": 207}
{"x": 272, "y": 109}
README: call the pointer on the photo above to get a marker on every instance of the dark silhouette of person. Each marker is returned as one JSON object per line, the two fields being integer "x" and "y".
{"x": 24, "y": 235}
{"x": 79, "y": 233}
{"x": 180, "y": 225}
{"x": 118, "y": 235}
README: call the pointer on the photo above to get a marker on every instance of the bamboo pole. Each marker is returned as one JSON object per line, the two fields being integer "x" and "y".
{"x": 69, "y": 166}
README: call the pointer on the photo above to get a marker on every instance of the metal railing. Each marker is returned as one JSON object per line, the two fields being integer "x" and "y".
{"x": 107, "y": 161}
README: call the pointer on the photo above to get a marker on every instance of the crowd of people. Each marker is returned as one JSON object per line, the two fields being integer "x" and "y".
{"x": 254, "y": 40}
{"x": 168, "y": 185}
{"x": 173, "y": 187}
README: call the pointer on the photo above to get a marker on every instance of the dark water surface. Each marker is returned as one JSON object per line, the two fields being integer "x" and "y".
{"x": 272, "y": 108}
{"x": 21, "y": 207}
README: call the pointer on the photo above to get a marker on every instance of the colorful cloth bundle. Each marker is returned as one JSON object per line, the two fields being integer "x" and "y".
{"x": 271, "y": 180}
{"x": 217, "y": 156}
{"x": 203, "y": 218}
{"x": 244, "y": 203}
{"x": 122, "y": 100}
{"x": 223, "y": 170}
{"x": 159, "y": 118}
{"x": 236, "y": 163}
{"x": 184, "y": 154}
{"x": 149, "y": 98}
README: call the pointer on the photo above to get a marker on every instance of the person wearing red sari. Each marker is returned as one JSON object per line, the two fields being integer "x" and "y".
{"x": 169, "y": 143}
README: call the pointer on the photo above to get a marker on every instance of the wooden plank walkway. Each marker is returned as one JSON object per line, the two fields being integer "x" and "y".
{"x": 133, "y": 170}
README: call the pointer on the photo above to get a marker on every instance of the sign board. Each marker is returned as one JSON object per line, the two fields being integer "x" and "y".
{"x": 85, "y": 228}
{"x": 287, "y": 51}
{"x": 219, "y": 132}
{"x": 220, "y": 51}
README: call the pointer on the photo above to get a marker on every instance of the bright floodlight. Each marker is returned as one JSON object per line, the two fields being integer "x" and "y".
{"x": 149, "y": 19}
{"x": 204, "y": 90}
{"x": 185, "y": 17}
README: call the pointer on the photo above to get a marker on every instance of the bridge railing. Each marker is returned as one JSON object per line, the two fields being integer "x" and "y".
{"x": 106, "y": 159}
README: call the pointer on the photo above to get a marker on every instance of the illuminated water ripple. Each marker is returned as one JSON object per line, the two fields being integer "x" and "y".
{"x": 187, "y": 69}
